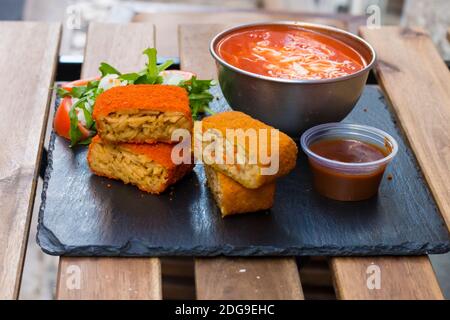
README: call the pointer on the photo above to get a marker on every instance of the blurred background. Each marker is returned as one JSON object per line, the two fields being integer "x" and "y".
{"x": 433, "y": 15}
{"x": 39, "y": 277}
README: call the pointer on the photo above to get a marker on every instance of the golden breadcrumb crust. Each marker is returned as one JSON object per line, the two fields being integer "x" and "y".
{"x": 287, "y": 151}
{"x": 233, "y": 198}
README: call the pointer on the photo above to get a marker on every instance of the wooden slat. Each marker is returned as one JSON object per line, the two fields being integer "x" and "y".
{"x": 401, "y": 278}
{"x": 120, "y": 45}
{"x": 167, "y": 23}
{"x": 417, "y": 84}
{"x": 28, "y": 55}
{"x": 233, "y": 278}
{"x": 247, "y": 279}
{"x": 109, "y": 278}
{"x": 133, "y": 278}
{"x": 194, "y": 49}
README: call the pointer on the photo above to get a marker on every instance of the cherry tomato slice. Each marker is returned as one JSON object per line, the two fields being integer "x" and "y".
{"x": 78, "y": 83}
{"x": 61, "y": 123}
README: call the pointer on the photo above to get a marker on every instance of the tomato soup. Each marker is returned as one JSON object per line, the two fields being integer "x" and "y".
{"x": 289, "y": 52}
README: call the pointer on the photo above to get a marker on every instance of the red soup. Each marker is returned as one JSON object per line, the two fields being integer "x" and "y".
{"x": 288, "y": 52}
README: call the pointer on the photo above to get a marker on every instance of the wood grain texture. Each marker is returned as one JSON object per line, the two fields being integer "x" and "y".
{"x": 247, "y": 279}
{"x": 401, "y": 278}
{"x": 417, "y": 83}
{"x": 194, "y": 48}
{"x": 167, "y": 23}
{"x": 28, "y": 55}
{"x": 121, "y": 46}
{"x": 224, "y": 278}
{"x": 109, "y": 278}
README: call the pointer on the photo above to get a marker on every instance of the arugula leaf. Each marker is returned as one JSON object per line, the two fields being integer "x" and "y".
{"x": 87, "y": 115}
{"x": 93, "y": 84}
{"x": 142, "y": 79}
{"x": 165, "y": 65}
{"x": 106, "y": 69}
{"x": 62, "y": 93}
{"x": 151, "y": 75}
{"x": 130, "y": 77}
{"x": 199, "y": 95}
{"x": 152, "y": 67}
{"x": 74, "y": 132}
{"x": 98, "y": 92}
{"x": 78, "y": 92}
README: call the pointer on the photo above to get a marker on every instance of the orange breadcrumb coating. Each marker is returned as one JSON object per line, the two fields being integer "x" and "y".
{"x": 158, "y": 152}
{"x": 156, "y": 97}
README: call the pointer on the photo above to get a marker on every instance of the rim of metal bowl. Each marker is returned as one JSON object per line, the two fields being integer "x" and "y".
{"x": 295, "y": 24}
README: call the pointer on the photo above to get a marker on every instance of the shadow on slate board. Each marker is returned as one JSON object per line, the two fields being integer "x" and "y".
{"x": 85, "y": 215}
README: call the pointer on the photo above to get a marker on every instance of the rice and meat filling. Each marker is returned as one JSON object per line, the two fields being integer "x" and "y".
{"x": 128, "y": 167}
{"x": 247, "y": 174}
{"x": 142, "y": 126}
{"x": 244, "y": 169}
{"x": 147, "y": 166}
{"x": 142, "y": 113}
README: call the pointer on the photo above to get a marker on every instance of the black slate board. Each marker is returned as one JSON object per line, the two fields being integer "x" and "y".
{"x": 85, "y": 215}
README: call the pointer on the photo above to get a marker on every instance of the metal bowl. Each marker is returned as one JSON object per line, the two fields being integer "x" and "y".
{"x": 293, "y": 105}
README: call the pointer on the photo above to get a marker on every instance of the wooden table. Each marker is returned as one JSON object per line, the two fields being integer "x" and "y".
{"x": 414, "y": 79}
{"x": 166, "y": 23}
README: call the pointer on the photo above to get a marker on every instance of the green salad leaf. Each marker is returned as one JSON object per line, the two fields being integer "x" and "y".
{"x": 106, "y": 69}
{"x": 130, "y": 77}
{"x": 62, "y": 93}
{"x": 75, "y": 132}
{"x": 199, "y": 95}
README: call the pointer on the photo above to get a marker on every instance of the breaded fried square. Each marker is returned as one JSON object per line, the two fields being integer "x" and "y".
{"x": 249, "y": 174}
{"x": 147, "y": 166}
{"x": 233, "y": 198}
{"x": 142, "y": 113}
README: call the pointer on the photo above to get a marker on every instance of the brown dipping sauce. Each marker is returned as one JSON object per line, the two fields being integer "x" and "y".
{"x": 341, "y": 185}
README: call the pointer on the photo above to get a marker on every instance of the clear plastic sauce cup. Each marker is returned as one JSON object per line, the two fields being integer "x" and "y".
{"x": 348, "y": 180}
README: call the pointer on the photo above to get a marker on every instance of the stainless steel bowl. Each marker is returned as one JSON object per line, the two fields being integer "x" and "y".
{"x": 293, "y": 105}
